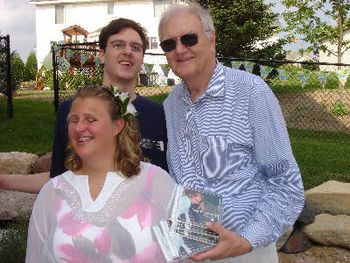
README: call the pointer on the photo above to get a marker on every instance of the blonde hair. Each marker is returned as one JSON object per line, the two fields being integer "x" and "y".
{"x": 128, "y": 154}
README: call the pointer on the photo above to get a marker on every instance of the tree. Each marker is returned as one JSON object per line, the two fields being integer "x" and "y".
{"x": 317, "y": 21}
{"x": 241, "y": 25}
{"x": 17, "y": 69}
{"x": 30, "y": 67}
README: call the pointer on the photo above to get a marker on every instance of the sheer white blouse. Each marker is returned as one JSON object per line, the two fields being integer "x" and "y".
{"x": 66, "y": 225}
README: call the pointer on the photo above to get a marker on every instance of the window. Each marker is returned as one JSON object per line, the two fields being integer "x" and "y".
{"x": 59, "y": 14}
{"x": 153, "y": 42}
{"x": 160, "y": 6}
{"x": 110, "y": 8}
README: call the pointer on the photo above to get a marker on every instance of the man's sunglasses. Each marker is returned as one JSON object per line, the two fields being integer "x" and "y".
{"x": 188, "y": 40}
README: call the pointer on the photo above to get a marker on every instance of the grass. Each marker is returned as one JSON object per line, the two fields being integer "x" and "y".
{"x": 30, "y": 129}
{"x": 13, "y": 242}
{"x": 321, "y": 156}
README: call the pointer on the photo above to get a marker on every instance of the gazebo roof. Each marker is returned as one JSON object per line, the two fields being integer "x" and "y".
{"x": 74, "y": 31}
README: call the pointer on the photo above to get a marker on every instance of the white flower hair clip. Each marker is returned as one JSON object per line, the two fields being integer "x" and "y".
{"x": 126, "y": 108}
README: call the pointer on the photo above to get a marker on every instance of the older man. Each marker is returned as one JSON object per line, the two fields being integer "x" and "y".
{"x": 226, "y": 134}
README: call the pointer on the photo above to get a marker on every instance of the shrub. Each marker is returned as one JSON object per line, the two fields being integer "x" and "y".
{"x": 340, "y": 109}
{"x": 332, "y": 81}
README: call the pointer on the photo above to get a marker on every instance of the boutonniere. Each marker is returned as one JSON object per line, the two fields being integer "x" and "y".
{"x": 127, "y": 109}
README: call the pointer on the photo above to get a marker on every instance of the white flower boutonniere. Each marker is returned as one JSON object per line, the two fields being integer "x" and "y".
{"x": 127, "y": 109}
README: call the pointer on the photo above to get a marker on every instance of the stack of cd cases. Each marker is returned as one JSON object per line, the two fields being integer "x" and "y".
{"x": 184, "y": 233}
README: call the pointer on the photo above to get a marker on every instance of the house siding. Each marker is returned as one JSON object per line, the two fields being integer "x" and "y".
{"x": 91, "y": 16}
{"x": 324, "y": 57}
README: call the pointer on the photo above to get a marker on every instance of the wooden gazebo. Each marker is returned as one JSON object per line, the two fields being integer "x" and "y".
{"x": 72, "y": 34}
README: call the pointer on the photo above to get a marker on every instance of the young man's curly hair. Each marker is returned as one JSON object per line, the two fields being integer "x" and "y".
{"x": 128, "y": 154}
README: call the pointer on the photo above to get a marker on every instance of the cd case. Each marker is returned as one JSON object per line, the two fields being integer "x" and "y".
{"x": 184, "y": 233}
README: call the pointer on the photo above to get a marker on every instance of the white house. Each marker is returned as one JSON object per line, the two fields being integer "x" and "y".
{"x": 325, "y": 57}
{"x": 54, "y": 15}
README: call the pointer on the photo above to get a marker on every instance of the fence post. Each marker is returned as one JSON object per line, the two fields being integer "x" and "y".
{"x": 55, "y": 79}
{"x": 9, "y": 78}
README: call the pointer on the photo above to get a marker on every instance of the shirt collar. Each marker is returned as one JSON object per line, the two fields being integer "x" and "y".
{"x": 216, "y": 86}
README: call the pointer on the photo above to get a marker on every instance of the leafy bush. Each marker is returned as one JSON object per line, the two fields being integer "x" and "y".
{"x": 332, "y": 81}
{"x": 340, "y": 109}
{"x": 313, "y": 83}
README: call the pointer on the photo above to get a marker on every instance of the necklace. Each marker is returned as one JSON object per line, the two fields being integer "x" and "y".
{"x": 99, "y": 186}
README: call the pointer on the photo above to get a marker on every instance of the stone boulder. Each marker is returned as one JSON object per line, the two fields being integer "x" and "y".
{"x": 43, "y": 164}
{"x": 330, "y": 230}
{"x": 16, "y": 162}
{"x": 331, "y": 197}
{"x": 15, "y": 203}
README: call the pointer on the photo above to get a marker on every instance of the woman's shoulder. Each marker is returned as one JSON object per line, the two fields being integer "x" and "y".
{"x": 147, "y": 167}
{"x": 151, "y": 170}
{"x": 56, "y": 181}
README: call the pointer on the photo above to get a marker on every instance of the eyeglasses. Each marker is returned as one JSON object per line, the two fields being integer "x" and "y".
{"x": 134, "y": 46}
{"x": 188, "y": 40}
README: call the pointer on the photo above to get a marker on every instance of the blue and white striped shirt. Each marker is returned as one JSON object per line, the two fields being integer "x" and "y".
{"x": 233, "y": 141}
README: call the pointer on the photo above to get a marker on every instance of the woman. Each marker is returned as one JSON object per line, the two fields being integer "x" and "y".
{"x": 102, "y": 209}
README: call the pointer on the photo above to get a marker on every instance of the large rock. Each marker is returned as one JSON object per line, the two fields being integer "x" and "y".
{"x": 283, "y": 239}
{"x": 330, "y": 230}
{"x": 297, "y": 242}
{"x": 16, "y": 162}
{"x": 331, "y": 197}
{"x": 43, "y": 164}
{"x": 15, "y": 203}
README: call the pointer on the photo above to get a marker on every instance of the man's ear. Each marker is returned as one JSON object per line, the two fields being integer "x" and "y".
{"x": 213, "y": 40}
{"x": 118, "y": 126}
{"x": 101, "y": 55}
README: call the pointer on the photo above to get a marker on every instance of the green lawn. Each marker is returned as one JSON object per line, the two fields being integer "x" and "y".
{"x": 30, "y": 129}
{"x": 321, "y": 156}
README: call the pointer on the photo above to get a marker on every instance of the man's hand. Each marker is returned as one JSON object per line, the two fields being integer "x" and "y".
{"x": 230, "y": 245}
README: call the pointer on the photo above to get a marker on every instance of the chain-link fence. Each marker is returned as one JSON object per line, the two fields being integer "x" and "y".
{"x": 6, "y": 107}
{"x": 315, "y": 97}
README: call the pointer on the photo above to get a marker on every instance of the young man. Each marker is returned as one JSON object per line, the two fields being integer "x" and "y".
{"x": 122, "y": 45}
{"x": 226, "y": 134}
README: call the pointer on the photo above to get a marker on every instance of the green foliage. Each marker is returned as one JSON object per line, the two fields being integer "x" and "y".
{"x": 310, "y": 66}
{"x": 241, "y": 24}
{"x": 313, "y": 22}
{"x": 17, "y": 69}
{"x": 340, "y": 109}
{"x": 30, "y": 67}
{"x": 3, "y": 83}
{"x": 13, "y": 243}
{"x": 47, "y": 76}
{"x": 69, "y": 82}
{"x": 347, "y": 84}
{"x": 332, "y": 81}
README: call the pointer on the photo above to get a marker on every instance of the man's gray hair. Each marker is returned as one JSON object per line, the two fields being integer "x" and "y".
{"x": 194, "y": 8}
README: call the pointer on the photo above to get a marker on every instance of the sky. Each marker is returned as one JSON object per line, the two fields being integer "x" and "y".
{"x": 17, "y": 18}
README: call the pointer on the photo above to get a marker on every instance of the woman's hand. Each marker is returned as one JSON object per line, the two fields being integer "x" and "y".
{"x": 229, "y": 245}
